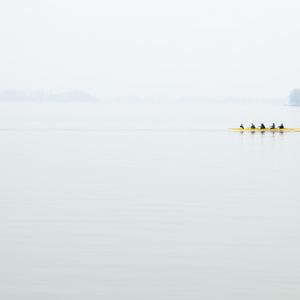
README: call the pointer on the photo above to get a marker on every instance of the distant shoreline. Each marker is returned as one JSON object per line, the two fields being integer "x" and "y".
{"x": 13, "y": 95}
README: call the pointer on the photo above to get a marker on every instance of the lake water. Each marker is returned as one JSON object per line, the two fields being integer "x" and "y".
{"x": 140, "y": 202}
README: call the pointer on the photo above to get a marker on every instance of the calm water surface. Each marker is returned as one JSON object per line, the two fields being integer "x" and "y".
{"x": 148, "y": 203}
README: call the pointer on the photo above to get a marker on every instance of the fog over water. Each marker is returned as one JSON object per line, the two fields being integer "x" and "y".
{"x": 159, "y": 49}
{"x": 148, "y": 202}
{"x": 119, "y": 178}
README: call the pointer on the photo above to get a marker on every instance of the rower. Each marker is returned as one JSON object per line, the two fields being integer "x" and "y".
{"x": 281, "y": 126}
{"x": 252, "y": 126}
{"x": 262, "y": 126}
{"x": 242, "y": 126}
{"x": 272, "y": 126}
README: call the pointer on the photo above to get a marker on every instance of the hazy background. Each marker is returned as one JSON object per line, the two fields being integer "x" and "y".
{"x": 141, "y": 199}
{"x": 152, "y": 49}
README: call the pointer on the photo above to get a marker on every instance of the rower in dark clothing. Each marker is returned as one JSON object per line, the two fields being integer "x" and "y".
{"x": 262, "y": 126}
{"x": 242, "y": 126}
{"x": 272, "y": 126}
{"x": 281, "y": 126}
{"x": 252, "y": 126}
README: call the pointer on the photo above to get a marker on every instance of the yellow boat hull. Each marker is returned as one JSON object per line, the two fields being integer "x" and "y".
{"x": 266, "y": 130}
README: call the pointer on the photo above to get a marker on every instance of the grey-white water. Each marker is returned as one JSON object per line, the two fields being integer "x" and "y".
{"x": 148, "y": 202}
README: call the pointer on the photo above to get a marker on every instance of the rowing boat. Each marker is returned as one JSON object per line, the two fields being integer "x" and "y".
{"x": 266, "y": 129}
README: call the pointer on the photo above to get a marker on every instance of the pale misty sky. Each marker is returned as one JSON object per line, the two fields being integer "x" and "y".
{"x": 153, "y": 49}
